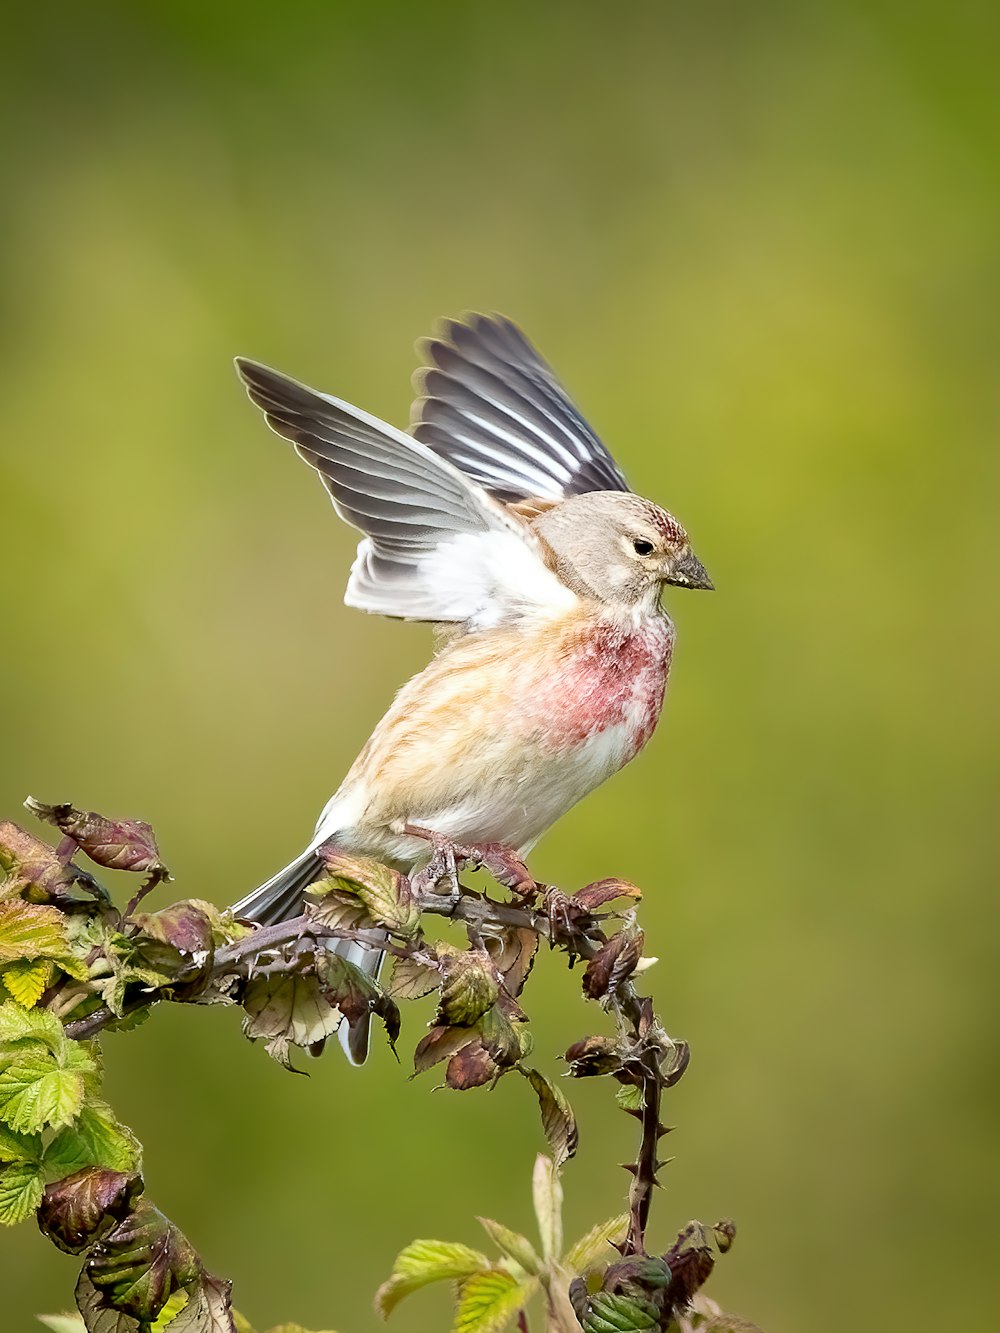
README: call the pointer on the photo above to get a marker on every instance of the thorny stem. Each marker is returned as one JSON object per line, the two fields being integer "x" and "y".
{"x": 582, "y": 939}
{"x": 644, "y": 1179}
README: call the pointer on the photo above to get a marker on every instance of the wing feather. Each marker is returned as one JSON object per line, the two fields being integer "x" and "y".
{"x": 437, "y": 546}
{"x": 491, "y": 405}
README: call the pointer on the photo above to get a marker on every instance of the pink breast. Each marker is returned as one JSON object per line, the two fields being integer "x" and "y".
{"x": 609, "y": 677}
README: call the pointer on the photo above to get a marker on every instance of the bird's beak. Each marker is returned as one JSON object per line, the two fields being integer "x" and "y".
{"x": 687, "y": 571}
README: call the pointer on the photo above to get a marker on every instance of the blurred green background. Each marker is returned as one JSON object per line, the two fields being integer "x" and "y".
{"x": 759, "y": 244}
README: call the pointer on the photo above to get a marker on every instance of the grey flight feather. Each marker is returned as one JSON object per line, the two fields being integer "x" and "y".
{"x": 406, "y": 498}
{"x": 491, "y": 405}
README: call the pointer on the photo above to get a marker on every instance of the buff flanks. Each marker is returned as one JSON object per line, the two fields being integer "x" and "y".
{"x": 502, "y": 515}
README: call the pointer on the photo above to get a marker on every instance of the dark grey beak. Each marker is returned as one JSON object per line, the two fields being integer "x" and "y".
{"x": 687, "y": 571}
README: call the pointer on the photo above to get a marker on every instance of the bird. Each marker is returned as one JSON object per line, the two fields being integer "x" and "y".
{"x": 500, "y": 517}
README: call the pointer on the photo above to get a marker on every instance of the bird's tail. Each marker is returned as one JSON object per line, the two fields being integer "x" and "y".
{"x": 281, "y": 897}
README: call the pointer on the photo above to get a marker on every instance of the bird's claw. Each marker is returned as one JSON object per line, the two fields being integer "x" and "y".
{"x": 448, "y": 858}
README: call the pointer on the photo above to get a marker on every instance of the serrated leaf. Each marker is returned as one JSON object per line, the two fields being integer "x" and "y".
{"x": 138, "y": 1264}
{"x": 487, "y": 1302}
{"x": 76, "y": 1211}
{"x": 384, "y": 891}
{"x": 594, "y": 1056}
{"x": 439, "y": 1044}
{"x": 27, "y": 979}
{"x": 512, "y": 1244}
{"x": 424, "y": 1262}
{"x": 30, "y": 930}
{"x": 36, "y": 1092}
{"x": 618, "y": 1314}
{"x": 513, "y": 955}
{"x": 117, "y": 844}
{"x": 590, "y": 1249}
{"x": 26, "y": 860}
{"x": 289, "y": 1008}
{"x": 613, "y": 963}
{"x": 206, "y": 1310}
{"x": 558, "y": 1120}
{"x": 604, "y": 891}
{"x": 185, "y": 926}
{"x": 471, "y": 1066}
{"x": 18, "y": 1024}
{"x": 629, "y": 1097}
{"x": 98, "y": 1317}
{"x": 547, "y": 1195}
{"x": 96, "y": 1138}
{"x": 20, "y": 1191}
{"x": 468, "y": 988}
{"x": 19, "y": 1147}
{"x": 411, "y": 980}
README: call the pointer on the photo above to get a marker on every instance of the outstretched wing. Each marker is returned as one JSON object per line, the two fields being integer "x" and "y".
{"x": 489, "y": 404}
{"x": 437, "y": 546}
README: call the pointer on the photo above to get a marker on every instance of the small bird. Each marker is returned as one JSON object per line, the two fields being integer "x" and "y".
{"x": 500, "y": 517}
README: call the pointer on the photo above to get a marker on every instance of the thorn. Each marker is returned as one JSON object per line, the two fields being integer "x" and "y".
{"x": 664, "y": 1129}
{"x": 631, "y": 1167}
{"x": 636, "y": 1115}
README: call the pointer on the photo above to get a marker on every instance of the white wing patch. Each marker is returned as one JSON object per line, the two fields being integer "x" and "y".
{"x": 492, "y": 578}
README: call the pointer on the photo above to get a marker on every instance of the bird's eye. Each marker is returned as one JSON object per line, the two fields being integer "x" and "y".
{"x": 642, "y": 547}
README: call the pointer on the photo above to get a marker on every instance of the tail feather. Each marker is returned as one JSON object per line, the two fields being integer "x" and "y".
{"x": 282, "y": 897}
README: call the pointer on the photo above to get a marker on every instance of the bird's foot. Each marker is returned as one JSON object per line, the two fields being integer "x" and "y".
{"x": 560, "y": 912}
{"x": 448, "y": 858}
{"x": 441, "y": 869}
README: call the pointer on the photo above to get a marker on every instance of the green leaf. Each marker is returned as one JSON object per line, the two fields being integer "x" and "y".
{"x": 74, "y": 1212}
{"x": 63, "y": 1323}
{"x": 26, "y": 980}
{"x": 618, "y": 1314}
{"x": 35, "y": 1092}
{"x": 558, "y": 1120}
{"x": 594, "y": 1246}
{"x": 412, "y": 980}
{"x": 19, "y": 1147}
{"x": 20, "y": 1191}
{"x": 423, "y": 1262}
{"x": 439, "y": 1044}
{"x": 30, "y": 930}
{"x": 468, "y": 988}
{"x": 288, "y": 1010}
{"x": 175, "y": 1304}
{"x": 546, "y": 1189}
{"x": 384, "y": 892}
{"x": 97, "y": 1317}
{"x": 206, "y": 1309}
{"x": 512, "y": 1244}
{"x": 18, "y": 1024}
{"x": 95, "y": 1139}
{"x": 629, "y": 1097}
{"x": 487, "y": 1302}
{"x": 141, "y": 1261}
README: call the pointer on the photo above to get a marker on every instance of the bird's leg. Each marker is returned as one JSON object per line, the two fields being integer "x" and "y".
{"x": 448, "y": 857}
{"x": 442, "y": 866}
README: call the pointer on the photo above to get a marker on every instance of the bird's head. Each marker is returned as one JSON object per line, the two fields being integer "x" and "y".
{"x": 618, "y": 547}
